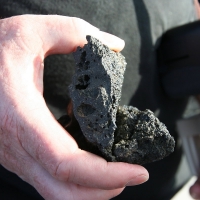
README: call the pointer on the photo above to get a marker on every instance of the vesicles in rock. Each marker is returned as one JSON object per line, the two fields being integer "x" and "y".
{"x": 96, "y": 91}
{"x": 116, "y": 133}
{"x": 140, "y": 137}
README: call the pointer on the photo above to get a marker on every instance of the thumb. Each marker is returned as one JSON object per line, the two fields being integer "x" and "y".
{"x": 195, "y": 190}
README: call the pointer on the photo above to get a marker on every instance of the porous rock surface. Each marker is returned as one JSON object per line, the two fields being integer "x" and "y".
{"x": 140, "y": 137}
{"x": 116, "y": 133}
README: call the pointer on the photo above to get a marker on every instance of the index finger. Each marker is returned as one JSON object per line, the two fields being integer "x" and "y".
{"x": 62, "y": 34}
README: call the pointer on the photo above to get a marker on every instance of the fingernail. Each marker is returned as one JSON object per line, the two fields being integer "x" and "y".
{"x": 112, "y": 41}
{"x": 137, "y": 180}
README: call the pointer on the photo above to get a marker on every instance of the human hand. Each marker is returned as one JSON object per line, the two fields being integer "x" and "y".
{"x": 32, "y": 144}
{"x": 195, "y": 189}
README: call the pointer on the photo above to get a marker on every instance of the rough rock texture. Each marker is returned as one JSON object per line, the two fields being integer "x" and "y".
{"x": 140, "y": 137}
{"x": 116, "y": 133}
{"x": 96, "y": 91}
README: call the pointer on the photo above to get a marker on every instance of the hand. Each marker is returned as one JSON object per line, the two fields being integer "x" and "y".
{"x": 32, "y": 144}
{"x": 195, "y": 189}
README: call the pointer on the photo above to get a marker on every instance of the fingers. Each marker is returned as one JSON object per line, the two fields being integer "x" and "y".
{"x": 195, "y": 190}
{"x": 62, "y": 34}
{"x": 113, "y": 42}
{"x": 50, "y": 188}
{"x": 58, "y": 153}
{"x": 54, "y": 34}
{"x": 92, "y": 171}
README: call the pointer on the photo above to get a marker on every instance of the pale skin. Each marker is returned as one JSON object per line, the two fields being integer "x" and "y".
{"x": 32, "y": 144}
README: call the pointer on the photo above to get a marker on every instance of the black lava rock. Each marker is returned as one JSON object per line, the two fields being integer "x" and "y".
{"x": 140, "y": 137}
{"x": 96, "y": 91}
{"x": 115, "y": 133}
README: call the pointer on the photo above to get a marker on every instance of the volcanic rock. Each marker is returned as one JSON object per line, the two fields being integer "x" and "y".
{"x": 113, "y": 132}
{"x": 140, "y": 137}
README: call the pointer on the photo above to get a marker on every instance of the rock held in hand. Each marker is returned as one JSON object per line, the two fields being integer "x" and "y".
{"x": 113, "y": 132}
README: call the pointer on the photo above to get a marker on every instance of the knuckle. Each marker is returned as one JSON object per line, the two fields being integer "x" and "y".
{"x": 11, "y": 160}
{"x": 12, "y": 26}
{"x": 6, "y": 156}
{"x": 10, "y": 130}
{"x": 17, "y": 32}
{"x": 8, "y": 122}
{"x": 77, "y": 21}
{"x": 63, "y": 171}
{"x": 41, "y": 187}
